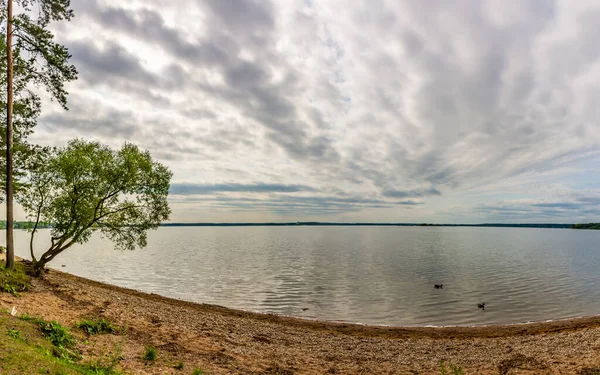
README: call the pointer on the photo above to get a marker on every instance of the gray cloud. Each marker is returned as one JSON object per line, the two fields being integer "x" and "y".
{"x": 573, "y": 208}
{"x": 190, "y": 189}
{"x": 211, "y": 197}
{"x": 411, "y": 193}
{"x": 370, "y": 106}
{"x": 111, "y": 62}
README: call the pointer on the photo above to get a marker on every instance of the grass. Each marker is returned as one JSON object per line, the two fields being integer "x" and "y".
{"x": 96, "y": 326}
{"x": 13, "y": 282}
{"x": 57, "y": 334}
{"x": 14, "y": 333}
{"x": 198, "y": 371}
{"x": 27, "y": 346}
{"x": 178, "y": 366}
{"x": 150, "y": 354}
{"x": 453, "y": 369}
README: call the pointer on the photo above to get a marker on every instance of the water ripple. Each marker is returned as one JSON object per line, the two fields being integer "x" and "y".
{"x": 374, "y": 275}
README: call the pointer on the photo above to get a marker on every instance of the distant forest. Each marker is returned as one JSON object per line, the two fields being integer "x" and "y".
{"x": 29, "y": 225}
{"x": 316, "y": 223}
{"x": 586, "y": 226}
{"x": 24, "y": 225}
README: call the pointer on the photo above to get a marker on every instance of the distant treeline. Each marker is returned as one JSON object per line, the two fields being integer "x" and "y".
{"x": 24, "y": 225}
{"x": 29, "y": 225}
{"x": 586, "y": 226}
{"x": 317, "y": 223}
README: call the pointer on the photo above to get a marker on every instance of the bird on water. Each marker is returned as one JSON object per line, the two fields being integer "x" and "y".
{"x": 481, "y": 305}
{"x": 439, "y": 286}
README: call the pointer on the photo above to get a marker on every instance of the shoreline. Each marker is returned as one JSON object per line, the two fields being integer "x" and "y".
{"x": 221, "y": 340}
{"x": 482, "y": 331}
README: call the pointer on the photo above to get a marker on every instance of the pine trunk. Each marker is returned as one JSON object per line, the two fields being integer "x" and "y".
{"x": 10, "y": 246}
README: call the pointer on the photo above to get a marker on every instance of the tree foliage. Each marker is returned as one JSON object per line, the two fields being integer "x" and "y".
{"x": 87, "y": 187}
{"x": 586, "y": 226}
{"x": 39, "y": 63}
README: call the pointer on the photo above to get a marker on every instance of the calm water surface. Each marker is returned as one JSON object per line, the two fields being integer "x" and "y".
{"x": 373, "y": 275}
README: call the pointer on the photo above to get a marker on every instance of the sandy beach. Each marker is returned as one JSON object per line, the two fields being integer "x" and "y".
{"x": 227, "y": 341}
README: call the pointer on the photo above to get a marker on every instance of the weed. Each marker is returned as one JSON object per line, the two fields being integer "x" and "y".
{"x": 98, "y": 368}
{"x": 178, "y": 366}
{"x": 29, "y": 318}
{"x": 96, "y": 326}
{"x": 57, "y": 334}
{"x": 104, "y": 367}
{"x": 150, "y": 354}
{"x": 14, "y": 333}
{"x": 198, "y": 371}
{"x": 454, "y": 369}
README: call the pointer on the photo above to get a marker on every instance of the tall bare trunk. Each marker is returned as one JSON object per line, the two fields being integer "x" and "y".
{"x": 10, "y": 246}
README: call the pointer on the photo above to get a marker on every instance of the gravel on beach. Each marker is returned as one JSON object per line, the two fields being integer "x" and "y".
{"x": 226, "y": 341}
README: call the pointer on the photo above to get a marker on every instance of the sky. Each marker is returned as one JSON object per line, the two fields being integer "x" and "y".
{"x": 348, "y": 111}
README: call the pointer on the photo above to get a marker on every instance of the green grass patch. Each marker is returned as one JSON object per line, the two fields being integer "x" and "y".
{"x": 198, "y": 371}
{"x": 451, "y": 370}
{"x": 24, "y": 349}
{"x": 150, "y": 354}
{"x": 57, "y": 334}
{"x": 179, "y": 366}
{"x": 14, "y": 333}
{"x": 96, "y": 326}
{"x": 15, "y": 281}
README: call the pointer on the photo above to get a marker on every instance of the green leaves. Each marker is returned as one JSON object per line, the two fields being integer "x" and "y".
{"x": 96, "y": 326}
{"x": 88, "y": 187}
{"x": 38, "y": 61}
{"x": 49, "y": 10}
{"x": 44, "y": 62}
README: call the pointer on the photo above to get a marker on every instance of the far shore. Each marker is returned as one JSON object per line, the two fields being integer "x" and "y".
{"x": 224, "y": 341}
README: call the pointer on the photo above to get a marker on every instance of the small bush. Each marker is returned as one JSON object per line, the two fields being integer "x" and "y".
{"x": 198, "y": 371}
{"x": 57, "y": 334}
{"x": 14, "y": 281}
{"x": 96, "y": 326}
{"x": 150, "y": 354}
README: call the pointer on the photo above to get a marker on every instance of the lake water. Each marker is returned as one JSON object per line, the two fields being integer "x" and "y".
{"x": 373, "y": 275}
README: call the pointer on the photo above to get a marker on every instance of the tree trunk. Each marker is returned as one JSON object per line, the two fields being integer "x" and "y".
{"x": 38, "y": 268}
{"x": 10, "y": 246}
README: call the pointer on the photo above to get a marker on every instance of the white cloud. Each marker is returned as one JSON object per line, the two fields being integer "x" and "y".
{"x": 467, "y": 98}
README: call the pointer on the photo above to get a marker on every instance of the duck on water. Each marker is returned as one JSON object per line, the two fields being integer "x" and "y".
{"x": 441, "y": 286}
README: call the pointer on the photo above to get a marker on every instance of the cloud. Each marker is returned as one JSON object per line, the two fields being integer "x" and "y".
{"x": 190, "y": 189}
{"x": 281, "y": 200}
{"x": 574, "y": 207}
{"x": 410, "y": 193}
{"x": 391, "y": 103}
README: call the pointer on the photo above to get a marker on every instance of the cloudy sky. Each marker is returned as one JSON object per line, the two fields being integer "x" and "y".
{"x": 331, "y": 110}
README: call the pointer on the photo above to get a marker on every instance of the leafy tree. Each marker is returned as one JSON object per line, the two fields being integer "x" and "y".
{"x": 34, "y": 59}
{"x": 87, "y": 187}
